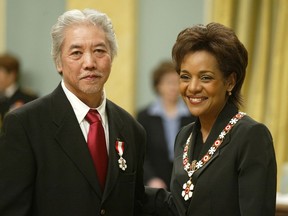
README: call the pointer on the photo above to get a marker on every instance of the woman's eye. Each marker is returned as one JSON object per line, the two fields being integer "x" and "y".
{"x": 206, "y": 78}
{"x": 184, "y": 77}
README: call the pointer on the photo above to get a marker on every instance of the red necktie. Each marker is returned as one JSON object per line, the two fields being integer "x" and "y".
{"x": 97, "y": 145}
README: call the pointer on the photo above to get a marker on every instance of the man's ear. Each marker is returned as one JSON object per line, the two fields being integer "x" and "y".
{"x": 59, "y": 67}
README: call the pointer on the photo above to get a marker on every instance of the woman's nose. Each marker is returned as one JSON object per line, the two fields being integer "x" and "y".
{"x": 194, "y": 85}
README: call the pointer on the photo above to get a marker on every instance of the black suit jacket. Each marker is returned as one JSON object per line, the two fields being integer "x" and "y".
{"x": 46, "y": 168}
{"x": 18, "y": 98}
{"x": 157, "y": 162}
{"x": 240, "y": 178}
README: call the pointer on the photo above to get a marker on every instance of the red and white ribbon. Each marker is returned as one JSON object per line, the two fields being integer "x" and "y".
{"x": 120, "y": 149}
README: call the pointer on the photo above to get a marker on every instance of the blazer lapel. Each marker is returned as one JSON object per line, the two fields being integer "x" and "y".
{"x": 198, "y": 173}
{"x": 220, "y": 124}
{"x": 74, "y": 146}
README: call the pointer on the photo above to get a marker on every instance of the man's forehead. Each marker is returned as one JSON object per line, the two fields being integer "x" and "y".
{"x": 77, "y": 37}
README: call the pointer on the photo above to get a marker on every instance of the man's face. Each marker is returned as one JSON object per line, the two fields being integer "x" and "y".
{"x": 85, "y": 61}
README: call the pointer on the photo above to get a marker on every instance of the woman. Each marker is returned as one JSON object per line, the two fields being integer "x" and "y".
{"x": 162, "y": 120}
{"x": 224, "y": 162}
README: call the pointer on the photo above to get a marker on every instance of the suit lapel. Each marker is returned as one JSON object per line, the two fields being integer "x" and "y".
{"x": 116, "y": 131}
{"x": 70, "y": 138}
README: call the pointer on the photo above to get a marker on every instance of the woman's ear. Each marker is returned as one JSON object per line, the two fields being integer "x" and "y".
{"x": 231, "y": 81}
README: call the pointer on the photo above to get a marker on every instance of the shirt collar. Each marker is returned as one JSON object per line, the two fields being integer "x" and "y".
{"x": 157, "y": 108}
{"x": 81, "y": 109}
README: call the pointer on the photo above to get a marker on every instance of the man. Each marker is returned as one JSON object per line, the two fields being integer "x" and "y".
{"x": 46, "y": 167}
{"x": 11, "y": 95}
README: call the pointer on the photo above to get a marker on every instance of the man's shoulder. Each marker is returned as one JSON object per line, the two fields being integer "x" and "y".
{"x": 117, "y": 111}
{"x": 113, "y": 107}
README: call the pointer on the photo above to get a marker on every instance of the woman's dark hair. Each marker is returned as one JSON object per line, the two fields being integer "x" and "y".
{"x": 160, "y": 71}
{"x": 220, "y": 41}
{"x": 10, "y": 64}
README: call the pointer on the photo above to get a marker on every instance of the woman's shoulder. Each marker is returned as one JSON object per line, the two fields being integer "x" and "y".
{"x": 248, "y": 121}
{"x": 249, "y": 125}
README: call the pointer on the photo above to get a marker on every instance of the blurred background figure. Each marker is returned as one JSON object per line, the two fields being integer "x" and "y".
{"x": 12, "y": 95}
{"x": 162, "y": 120}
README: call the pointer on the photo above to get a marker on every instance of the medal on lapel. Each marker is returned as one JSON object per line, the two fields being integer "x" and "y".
{"x": 120, "y": 150}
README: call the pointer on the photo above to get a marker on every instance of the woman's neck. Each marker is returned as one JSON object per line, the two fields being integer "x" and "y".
{"x": 170, "y": 108}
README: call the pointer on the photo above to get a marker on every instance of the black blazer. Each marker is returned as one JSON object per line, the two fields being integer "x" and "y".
{"x": 240, "y": 178}
{"x": 157, "y": 162}
{"x": 46, "y": 168}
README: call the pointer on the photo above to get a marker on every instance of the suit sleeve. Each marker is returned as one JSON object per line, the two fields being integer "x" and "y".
{"x": 17, "y": 169}
{"x": 159, "y": 202}
{"x": 148, "y": 168}
{"x": 139, "y": 190}
{"x": 257, "y": 173}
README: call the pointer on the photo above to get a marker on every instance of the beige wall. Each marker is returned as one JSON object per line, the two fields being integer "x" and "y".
{"x": 2, "y": 25}
{"x": 120, "y": 86}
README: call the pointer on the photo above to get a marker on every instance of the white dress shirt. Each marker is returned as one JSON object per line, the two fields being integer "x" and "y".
{"x": 81, "y": 109}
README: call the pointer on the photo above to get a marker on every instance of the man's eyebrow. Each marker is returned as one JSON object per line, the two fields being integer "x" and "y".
{"x": 101, "y": 44}
{"x": 77, "y": 46}
{"x": 74, "y": 46}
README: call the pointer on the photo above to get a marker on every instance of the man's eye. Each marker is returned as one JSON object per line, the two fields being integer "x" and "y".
{"x": 100, "y": 52}
{"x": 76, "y": 53}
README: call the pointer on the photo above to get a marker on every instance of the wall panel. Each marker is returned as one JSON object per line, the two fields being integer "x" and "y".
{"x": 120, "y": 86}
{"x": 2, "y": 25}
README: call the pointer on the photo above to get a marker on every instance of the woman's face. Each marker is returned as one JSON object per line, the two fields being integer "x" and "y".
{"x": 203, "y": 86}
{"x": 6, "y": 79}
{"x": 168, "y": 87}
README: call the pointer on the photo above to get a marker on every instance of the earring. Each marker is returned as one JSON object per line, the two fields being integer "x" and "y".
{"x": 229, "y": 93}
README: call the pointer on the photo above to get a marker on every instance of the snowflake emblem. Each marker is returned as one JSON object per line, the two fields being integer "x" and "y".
{"x": 222, "y": 135}
{"x": 212, "y": 150}
{"x": 199, "y": 164}
{"x": 190, "y": 173}
{"x": 233, "y": 121}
